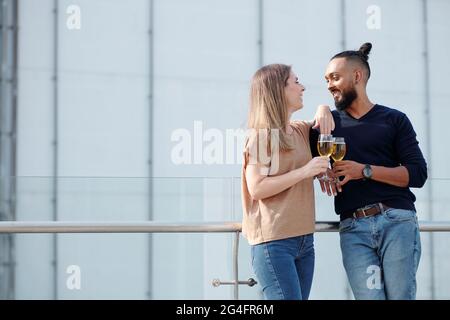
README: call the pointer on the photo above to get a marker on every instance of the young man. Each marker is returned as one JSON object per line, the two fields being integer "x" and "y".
{"x": 378, "y": 229}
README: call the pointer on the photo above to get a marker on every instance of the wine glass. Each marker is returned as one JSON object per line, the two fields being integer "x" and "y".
{"x": 339, "y": 150}
{"x": 325, "y": 147}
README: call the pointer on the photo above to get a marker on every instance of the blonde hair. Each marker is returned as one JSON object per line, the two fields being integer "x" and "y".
{"x": 268, "y": 103}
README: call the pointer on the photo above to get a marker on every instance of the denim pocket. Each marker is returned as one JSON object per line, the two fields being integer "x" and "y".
{"x": 346, "y": 225}
{"x": 308, "y": 242}
{"x": 399, "y": 215}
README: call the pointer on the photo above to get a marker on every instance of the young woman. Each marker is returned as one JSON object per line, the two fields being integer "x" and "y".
{"x": 277, "y": 184}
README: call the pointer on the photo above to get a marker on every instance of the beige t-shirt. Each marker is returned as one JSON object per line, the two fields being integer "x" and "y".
{"x": 289, "y": 213}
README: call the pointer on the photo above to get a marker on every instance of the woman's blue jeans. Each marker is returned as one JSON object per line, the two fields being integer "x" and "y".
{"x": 285, "y": 268}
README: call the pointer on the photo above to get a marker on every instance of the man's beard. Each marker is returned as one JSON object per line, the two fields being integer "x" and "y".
{"x": 347, "y": 97}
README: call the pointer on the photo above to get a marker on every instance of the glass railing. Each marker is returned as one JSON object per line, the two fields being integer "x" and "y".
{"x": 167, "y": 265}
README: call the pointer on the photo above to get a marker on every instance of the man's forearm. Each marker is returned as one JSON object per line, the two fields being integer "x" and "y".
{"x": 397, "y": 176}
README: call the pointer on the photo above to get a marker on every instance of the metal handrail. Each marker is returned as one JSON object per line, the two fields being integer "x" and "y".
{"x": 171, "y": 227}
{"x": 116, "y": 227}
{"x": 164, "y": 227}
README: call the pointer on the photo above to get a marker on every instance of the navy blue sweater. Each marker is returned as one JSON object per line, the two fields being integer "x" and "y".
{"x": 382, "y": 137}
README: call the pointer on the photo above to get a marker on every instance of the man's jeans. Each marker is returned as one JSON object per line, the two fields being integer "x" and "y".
{"x": 381, "y": 254}
{"x": 285, "y": 268}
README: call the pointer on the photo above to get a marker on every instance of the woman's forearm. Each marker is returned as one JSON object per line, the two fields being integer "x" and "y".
{"x": 266, "y": 187}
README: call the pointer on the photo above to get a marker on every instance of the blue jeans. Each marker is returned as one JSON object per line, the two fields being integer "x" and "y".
{"x": 381, "y": 254}
{"x": 284, "y": 268}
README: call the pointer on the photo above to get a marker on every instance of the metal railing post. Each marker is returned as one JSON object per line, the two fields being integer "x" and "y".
{"x": 236, "y": 265}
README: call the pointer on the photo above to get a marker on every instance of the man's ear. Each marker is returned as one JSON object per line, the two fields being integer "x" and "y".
{"x": 358, "y": 76}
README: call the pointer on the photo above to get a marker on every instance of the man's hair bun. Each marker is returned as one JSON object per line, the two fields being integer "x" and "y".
{"x": 365, "y": 50}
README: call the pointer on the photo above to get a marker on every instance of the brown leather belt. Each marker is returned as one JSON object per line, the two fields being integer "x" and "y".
{"x": 370, "y": 210}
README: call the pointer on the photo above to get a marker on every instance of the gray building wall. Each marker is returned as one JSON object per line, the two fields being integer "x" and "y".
{"x": 194, "y": 70}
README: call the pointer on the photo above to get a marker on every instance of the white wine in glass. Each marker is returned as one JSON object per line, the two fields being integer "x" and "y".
{"x": 339, "y": 149}
{"x": 325, "y": 148}
{"x": 325, "y": 145}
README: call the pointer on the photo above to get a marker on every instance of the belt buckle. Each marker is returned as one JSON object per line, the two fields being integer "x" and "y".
{"x": 363, "y": 209}
{"x": 364, "y": 213}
